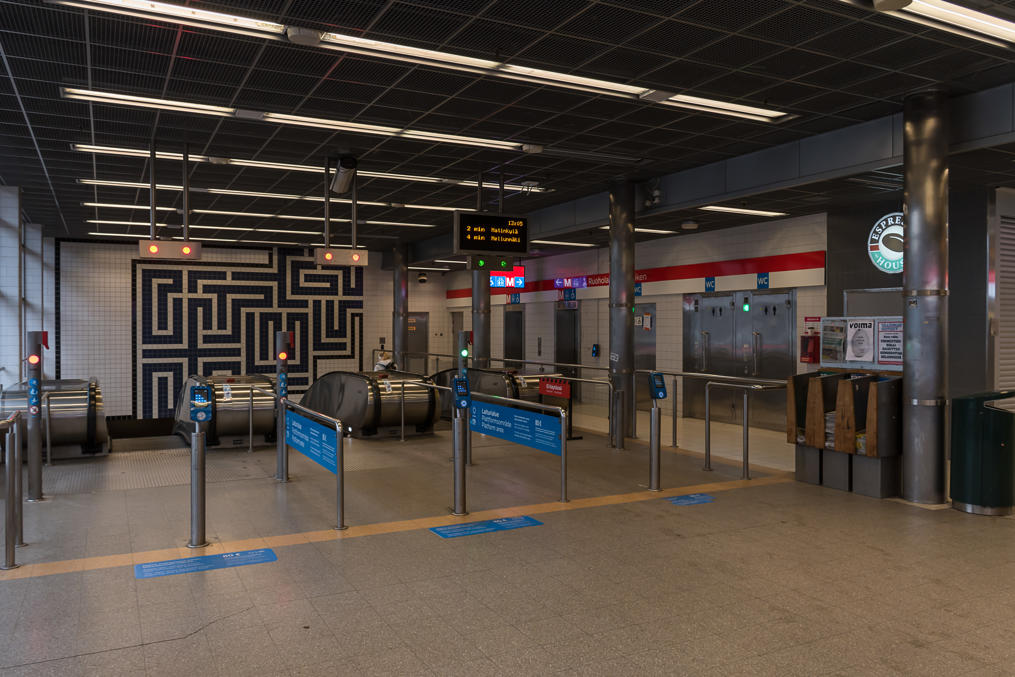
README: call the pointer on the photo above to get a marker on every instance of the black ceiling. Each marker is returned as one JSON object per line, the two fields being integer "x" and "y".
{"x": 827, "y": 62}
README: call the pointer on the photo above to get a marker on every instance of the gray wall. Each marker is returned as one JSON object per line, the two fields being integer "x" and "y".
{"x": 847, "y": 264}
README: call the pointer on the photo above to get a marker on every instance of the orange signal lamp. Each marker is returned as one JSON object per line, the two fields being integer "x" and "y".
{"x": 186, "y": 250}
{"x": 328, "y": 256}
{"x": 283, "y": 355}
{"x": 355, "y": 258}
{"x": 153, "y": 248}
{"x": 33, "y": 359}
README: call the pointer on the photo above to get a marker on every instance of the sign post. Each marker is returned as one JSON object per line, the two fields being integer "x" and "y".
{"x": 200, "y": 412}
{"x": 35, "y": 342}
{"x": 283, "y": 346}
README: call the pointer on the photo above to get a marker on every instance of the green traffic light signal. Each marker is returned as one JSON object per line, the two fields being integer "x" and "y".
{"x": 465, "y": 352}
{"x": 481, "y": 263}
{"x": 503, "y": 263}
{"x": 747, "y": 307}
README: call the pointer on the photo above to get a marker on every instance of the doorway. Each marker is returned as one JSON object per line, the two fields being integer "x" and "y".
{"x": 567, "y": 342}
{"x": 514, "y": 337}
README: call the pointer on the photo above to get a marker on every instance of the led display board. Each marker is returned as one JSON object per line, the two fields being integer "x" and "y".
{"x": 495, "y": 234}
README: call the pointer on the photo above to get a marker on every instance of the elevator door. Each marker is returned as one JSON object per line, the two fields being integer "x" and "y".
{"x": 514, "y": 338}
{"x": 567, "y": 343}
{"x": 419, "y": 342}
{"x": 644, "y": 351}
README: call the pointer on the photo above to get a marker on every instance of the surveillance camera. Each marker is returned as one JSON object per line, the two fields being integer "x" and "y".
{"x": 344, "y": 175}
{"x": 421, "y": 278}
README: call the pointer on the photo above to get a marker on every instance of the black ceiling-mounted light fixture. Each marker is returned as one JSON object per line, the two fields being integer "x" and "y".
{"x": 345, "y": 174}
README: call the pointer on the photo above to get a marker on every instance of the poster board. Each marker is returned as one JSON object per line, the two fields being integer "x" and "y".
{"x": 874, "y": 343}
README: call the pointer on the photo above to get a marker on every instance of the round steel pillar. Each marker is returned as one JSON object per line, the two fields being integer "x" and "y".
{"x": 400, "y": 315}
{"x": 622, "y": 297}
{"x": 481, "y": 318}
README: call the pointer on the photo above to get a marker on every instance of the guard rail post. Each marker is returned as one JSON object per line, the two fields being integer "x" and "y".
{"x": 653, "y": 446}
{"x": 250, "y": 420}
{"x": 340, "y": 524}
{"x": 282, "y": 449}
{"x": 674, "y": 442}
{"x": 563, "y": 455}
{"x": 459, "y": 431}
{"x": 708, "y": 432}
{"x": 197, "y": 489}
{"x": 745, "y": 473}
{"x": 403, "y": 411}
{"x": 19, "y": 484}
{"x": 10, "y": 513}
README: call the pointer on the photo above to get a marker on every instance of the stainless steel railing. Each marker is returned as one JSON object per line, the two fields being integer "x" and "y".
{"x": 286, "y": 405}
{"x": 748, "y": 388}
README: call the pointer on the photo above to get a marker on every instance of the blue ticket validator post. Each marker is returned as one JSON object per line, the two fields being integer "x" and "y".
{"x": 657, "y": 391}
{"x": 462, "y": 399}
{"x": 201, "y": 413}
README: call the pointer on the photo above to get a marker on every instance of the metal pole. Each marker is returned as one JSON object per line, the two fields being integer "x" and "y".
{"x": 925, "y": 292}
{"x": 197, "y": 496}
{"x": 33, "y": 423}
{"x": 282, "y": 449}
{"x": 745, "y": 472}
{"x": 481, "y": 318}
{"x": 327, "y": 202}
{"x": 186, "y": 192}
{"x": 674, "y": 443}
{"x": 355, "y": 211}
{"x": 10, "y": 516}
{"x": 151, "y": 191}
{"x": 400, "y": 314}
{"x": 340, "y": 478}
{"x": 563, "y": 457}
{"x": 621, "y": 358}
{"x": 403, "y": 410}
{"x": 250, "y": 421}
{"x": 458, "y": 457}
{"x": 19, "y": 484}
{"x": 47, "y": 421}
{"x": 653, "y": 447}
{"x": 479, "y": 193}
{"x": 500, "y": 197}
{"x": 708, "y": 431}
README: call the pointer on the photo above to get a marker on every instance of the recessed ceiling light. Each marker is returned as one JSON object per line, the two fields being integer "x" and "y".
{"x": 654, "y": 231}
{"x": 448, "y": 261}
{"x": 525, "y": 186}
{"x": 689, "y": 224}
{"x": 256, "y": 215}
{"x": 355, "y": 44}
{"x": 563, "y": 244}
{"x": 103, "y": 222}
{"x": 953, "y": 18}
{"x": 113, "y": 99}
{"x": 439, "y": 270}
{"x": 740, "y": 210}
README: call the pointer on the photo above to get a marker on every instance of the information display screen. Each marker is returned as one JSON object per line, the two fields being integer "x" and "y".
{"x": 479, "y": 233}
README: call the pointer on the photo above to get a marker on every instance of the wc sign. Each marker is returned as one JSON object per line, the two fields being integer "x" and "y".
{"x": 762, "y": 281}
{"x": 885, "y": 243}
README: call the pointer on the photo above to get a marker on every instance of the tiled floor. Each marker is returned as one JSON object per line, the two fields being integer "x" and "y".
{"x": 772, "y": 579}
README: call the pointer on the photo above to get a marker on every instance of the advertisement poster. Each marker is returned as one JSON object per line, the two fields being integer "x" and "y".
{"x": 860, "y": 340}
{"x": 833, "y": 340}
{"x": 890, "y": 342}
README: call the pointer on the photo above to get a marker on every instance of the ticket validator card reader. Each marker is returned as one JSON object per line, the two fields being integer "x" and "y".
{"x": 656, "y": 386}
{"x": 460, "y": 390}
{"x": 200, "y": 404}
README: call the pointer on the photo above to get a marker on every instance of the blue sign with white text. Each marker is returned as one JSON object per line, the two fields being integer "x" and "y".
{"x": 315, "y": 441}
{"x": 530, "y": 428}
{"x": 709, "y": 284}
{"x": 763, "y": 280}
{"x": 515, "y": 298}
{"x": 189, "y": 565}
{"x": 473, "y": 528}
{"x": 637, "y": 288}
{"x": 691, "y": 499}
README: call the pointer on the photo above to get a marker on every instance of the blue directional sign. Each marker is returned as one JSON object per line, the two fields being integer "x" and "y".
{"x": 763, "y": 280}
{"x": 473, "y": 528}
{"x": 189, "y": 565}
{"x": 529, "y": 428}
{"x": 637, "y": 288}
{"x": 569, "y": 295}
{"x": 283, "y": 385}
{"x": 515, "y": 298}
{"x": 709, "y": 284}
{"x": 315, "y": 441}
{"x": 33, "y": 392}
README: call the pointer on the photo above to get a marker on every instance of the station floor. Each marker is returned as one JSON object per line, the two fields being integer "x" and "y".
{"x": 773, "y": 577}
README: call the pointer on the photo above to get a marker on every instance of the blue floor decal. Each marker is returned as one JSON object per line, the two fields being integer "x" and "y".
{"x": 691, "y": 499}
{"x": 189, "y": 565}
{"x": 473, "y": 528}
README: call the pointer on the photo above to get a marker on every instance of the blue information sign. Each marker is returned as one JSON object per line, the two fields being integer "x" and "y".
{"x": 530, "y": 428}
{"x": 515, "y": 298}
{"x": 315, "y": 441}
{"x": 709, "y": 284}
{"x": 189, "y": 565}
{"x": 637, "y": 288}
{"x": 691, "y": 499}
{"x": 473, "y": 528}
{"x": 762, "y": 280}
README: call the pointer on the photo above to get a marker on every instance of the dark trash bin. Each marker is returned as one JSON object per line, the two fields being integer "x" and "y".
{"x": 983, "y": 454}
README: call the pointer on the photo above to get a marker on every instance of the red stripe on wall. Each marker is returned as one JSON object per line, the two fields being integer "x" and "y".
{"x": 761, "y": 264}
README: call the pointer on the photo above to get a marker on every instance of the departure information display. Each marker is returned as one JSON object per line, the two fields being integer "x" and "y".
{"x": 479, "y": 233}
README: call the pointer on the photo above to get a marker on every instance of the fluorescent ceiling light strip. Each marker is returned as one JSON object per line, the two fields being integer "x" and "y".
{"x": 563, "y": 244}
{"x": 205, "y": 227}
{"x": 441, "y": 270}
{"x": 255, "y": 215}
{"x": 739, "y": 210}
{"x": 969, "y": 19}
{"x": 653, "y": 231}
{"x": 405, "y": 53}
{"x": 448, "y": 261}
{"x": 271, "y": 196}
{"x": 114, "y": 99}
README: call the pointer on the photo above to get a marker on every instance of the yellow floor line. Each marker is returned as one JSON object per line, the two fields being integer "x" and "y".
{"x": 282, "y": 540}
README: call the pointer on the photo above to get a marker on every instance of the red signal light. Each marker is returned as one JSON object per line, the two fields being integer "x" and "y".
{"x": 186, "y": 250}
{"x": 34, "y": 359}
{"x": 153, "y": 248}
{"x": 283, "y": 355}
{"x": 355, "y": 258}
{"x": 328, "y": 256}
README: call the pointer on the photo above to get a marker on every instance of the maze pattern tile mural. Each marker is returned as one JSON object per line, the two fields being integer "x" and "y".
{"x": 218, "y": 318}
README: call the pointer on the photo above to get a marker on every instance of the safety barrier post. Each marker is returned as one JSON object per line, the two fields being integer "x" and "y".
{"x": 458, "y": 438}
{"x": 340, "y": 478}
{"x": 563, "y": 455}
{"x": 281, "y": 450}
{"x": 653, "y": 446}
{"x": 745, "y": 473}
{"x": 19, "y": 484}
{"x": 250, "y": 421}
{"x": 674, "y": 442}
{"x": 708, "y": 425}
{"x": 197, "y": 489}
{"x": 10, "y": 513}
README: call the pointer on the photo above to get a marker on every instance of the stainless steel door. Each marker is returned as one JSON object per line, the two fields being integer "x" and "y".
{"x": 456, "y": 328}
{"x": 419, "y": 342}
{"x": 514, "y": 337}
{"x": 708, "y": 348}
{"x": 567, "y": 343}
{"x": 644, "y": 351}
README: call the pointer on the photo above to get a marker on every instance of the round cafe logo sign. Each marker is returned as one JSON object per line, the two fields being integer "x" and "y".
{"x": 884, "y": 245}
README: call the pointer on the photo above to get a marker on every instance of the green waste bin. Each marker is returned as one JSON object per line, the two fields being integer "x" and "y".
{"x": 983, "y": 454}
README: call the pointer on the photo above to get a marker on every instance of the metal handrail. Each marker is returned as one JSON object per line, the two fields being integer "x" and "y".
{"x": 339, "y": 454}
{"x": 745, "y": 471}
{"x": 250, "y": 412}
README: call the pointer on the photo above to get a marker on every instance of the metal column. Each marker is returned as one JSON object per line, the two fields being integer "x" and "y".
{"x": 400, "y": 316}
{"x": 925, "y": 291}
{"x": 197, "y": 489}
{"x": 33, "y": 422}
{"x": 481, "y": 318}
{"x": 283, "y": 348}
{"x": 621, "y": 297}
{"x": 459, "y": 432}
{"x": 653, "y": 446}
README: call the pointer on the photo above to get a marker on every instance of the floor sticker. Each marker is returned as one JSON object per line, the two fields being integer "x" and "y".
{"x": 691, "y": 499}
{"x": 189, "y": 565}
{"x": 473, "y": 528}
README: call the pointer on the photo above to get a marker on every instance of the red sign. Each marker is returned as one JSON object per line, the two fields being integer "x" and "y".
{"x": 555, "y": 387}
